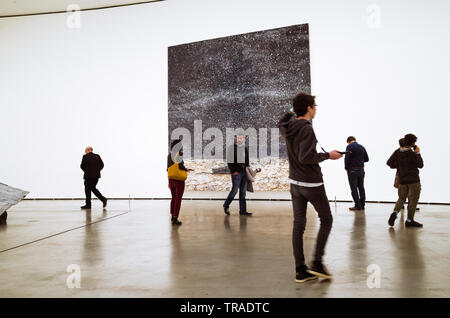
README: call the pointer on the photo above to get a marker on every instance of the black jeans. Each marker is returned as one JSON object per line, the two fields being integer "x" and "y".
{"x": 239, "y": 183}
{"x": 318, "y": 198}
{"x": 90, "y": 185}
{"x": 356, "y": 181}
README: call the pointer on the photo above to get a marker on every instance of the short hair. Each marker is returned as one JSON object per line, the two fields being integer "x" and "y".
{"x": 351, "y": 138}
{"x": 301, "y": 103}
{"x": 401, "y": 142}
{"x": 410, "y": 140}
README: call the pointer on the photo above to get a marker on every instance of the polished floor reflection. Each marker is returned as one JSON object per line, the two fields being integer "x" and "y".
{"x": 133, "y": 251}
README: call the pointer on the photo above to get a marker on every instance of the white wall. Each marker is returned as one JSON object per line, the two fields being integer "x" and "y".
{"x": 105, "y": 84}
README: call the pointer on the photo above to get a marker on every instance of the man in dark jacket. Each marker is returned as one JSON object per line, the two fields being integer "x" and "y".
{"x": 238, "y": 161}
{"x": 407, "y": 160}
{"x": 91, "y": 164}
{"x": 354, "y": 164}
{"x": 306, "y": 183}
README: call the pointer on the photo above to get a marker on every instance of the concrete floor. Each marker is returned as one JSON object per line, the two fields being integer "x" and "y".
{"x": 135, "y": 252}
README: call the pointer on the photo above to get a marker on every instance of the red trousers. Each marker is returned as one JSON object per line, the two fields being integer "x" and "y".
{"x": 177, "y": 189}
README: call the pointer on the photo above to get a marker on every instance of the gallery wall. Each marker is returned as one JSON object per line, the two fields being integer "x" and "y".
{"x": 379, "y": 69}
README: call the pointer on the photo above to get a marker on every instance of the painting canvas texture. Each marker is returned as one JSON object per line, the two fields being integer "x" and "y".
{"x": 240, "y": 81}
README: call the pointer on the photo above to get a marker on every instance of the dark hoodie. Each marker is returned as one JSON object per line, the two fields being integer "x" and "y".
{"x": 301, "y": 148}
{"x": 407, "y": 163}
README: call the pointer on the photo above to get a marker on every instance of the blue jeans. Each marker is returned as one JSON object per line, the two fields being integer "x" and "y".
{"x": 356, "y": 181}
{"x": 239, "y": 183}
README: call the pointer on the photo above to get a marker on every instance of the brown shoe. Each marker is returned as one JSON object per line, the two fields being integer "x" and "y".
{"x": 354, "y": 209}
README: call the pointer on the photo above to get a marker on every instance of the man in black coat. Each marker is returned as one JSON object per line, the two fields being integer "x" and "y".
{"x": 92, "y": 164}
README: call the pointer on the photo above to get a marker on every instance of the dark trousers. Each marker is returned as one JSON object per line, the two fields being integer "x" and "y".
{"x": 177, "y": 189}
{"x": 356, "y": 181}
{"x": 318, "y": 198}
{"x": 239, "y": 184}
{"x": 90, "y": 185}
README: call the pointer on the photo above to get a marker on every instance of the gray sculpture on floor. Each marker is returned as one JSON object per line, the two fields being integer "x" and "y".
{"x": 9, "y": 196}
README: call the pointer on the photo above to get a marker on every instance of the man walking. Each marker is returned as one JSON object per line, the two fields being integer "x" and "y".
{"x": 306, "y": 183}
{"x": 238, "y": 161}
{"x": 91, "y": 164}
{"x": 407, "y": 160}
{"x": 354, "y": 164}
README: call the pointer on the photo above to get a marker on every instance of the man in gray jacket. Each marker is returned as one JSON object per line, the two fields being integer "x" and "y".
{"x": 306, "y": 183}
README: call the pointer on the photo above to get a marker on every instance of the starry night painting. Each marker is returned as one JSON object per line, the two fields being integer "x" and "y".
{"x": 245, "y": 80}
{"x": 239, "y": 81}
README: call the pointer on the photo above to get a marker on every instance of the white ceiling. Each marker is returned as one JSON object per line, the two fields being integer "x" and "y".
{"x": 24, "y": 7}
